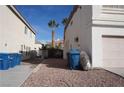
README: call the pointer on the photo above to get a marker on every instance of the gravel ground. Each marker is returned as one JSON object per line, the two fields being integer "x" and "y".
{"x": 54, "y": 73}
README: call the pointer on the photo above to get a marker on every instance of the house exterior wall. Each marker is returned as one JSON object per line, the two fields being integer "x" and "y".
{"x": 90, "y": 23}
{"x": 106, "y": 21}
{"x": 37, "y": 48}
{"x": 81, "y": 28}
{"x": 97, "y": 45}
{"x": 12, "y": 33}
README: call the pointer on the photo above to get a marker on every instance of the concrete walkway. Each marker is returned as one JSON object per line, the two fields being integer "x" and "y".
{"x": 119, "y": 71}
{"x": 14, "y": 77}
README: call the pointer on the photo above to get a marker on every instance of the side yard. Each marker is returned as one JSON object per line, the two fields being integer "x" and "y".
{"x": 55, "y": 73}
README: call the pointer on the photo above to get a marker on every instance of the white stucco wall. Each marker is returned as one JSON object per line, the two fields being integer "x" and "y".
{"x": 81, "y": 28}
{"x": 12, "y": 32}
{"x": 110, "y": 23}
{"x": 89, "y": 24}
{"x": 97, "y": 56}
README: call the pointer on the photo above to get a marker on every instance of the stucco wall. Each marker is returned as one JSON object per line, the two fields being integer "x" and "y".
{"x": 106, "y": 21}
{"x": 12, "y": 32}
{"x": 97, "y": 56}
{"x": 81, "y": 28}
{"x": 89, "y": 24}
{"x": 104, "y": 13}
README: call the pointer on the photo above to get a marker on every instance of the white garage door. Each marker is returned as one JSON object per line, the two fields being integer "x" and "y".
{"x": 113, "y": 51}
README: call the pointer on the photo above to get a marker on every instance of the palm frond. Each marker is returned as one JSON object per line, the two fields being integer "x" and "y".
{"x": 65, "y": 21}
{"x": 53, "y": 24}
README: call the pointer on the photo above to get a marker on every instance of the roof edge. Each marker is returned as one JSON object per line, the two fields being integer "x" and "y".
{"x": 70, "y": 17}
{"x": 18, "y": 14}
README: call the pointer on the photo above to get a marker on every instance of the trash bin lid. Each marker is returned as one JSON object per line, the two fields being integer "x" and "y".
{"x": 74, "y": 51}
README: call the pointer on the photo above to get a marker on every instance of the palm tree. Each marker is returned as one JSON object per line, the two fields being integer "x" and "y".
{"x": 65, "y": 21}
{"x": 53, "y": 25}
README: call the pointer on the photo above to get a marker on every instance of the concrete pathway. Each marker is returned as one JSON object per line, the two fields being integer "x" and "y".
{"x": 119, "y": 71}
{"x": 14, "y": 77}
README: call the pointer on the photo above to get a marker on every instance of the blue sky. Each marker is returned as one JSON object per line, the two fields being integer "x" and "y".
{"x": 39, "y": 16}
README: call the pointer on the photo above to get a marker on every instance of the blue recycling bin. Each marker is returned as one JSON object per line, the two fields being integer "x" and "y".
{"x": 18, "y": 58}
{"x": 12, "y": 59}
{"x": 9, "y": 60}
{"x": 4, "y": 61}
{"x": 15, "y": 59}
{"x": 74, "y": 59}
{"x": 1, "y": 65}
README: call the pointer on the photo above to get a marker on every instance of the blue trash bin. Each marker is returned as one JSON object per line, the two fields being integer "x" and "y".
{"x": 1, "y": 65}
{"x": 4, "y": 61}
{"x": 15, "y": 59}
{"x": 9, "y": 60}
{"x": 12, "y": 59}
{"x": 19, "y": 58}
{"x": 74, "y": 59}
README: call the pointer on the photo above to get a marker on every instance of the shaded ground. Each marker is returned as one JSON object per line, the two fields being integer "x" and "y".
{"x": 32, "y": 62}
{"x": 54, "y": 72}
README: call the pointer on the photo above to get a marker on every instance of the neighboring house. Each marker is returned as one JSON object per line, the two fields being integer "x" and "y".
{"x": 16, "y": 34}
{"x": 38, "y": 47}
{"x": 98, "y": 30}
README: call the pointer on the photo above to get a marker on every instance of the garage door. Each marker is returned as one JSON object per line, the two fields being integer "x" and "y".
{"x": 113, "y": 51}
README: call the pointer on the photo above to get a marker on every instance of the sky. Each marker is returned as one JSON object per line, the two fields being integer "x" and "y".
{"x": 38, "y": 17}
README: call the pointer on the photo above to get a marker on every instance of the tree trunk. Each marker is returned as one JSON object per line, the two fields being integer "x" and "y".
{"x": 53, "y": 39}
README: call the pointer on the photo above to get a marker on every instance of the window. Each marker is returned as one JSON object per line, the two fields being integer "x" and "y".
{"x": 29, "y": 48}
{"x": 26, "y": 51}
{"x": 21, "y": 47}
{"x": 24, "y": 47}
{"x": 26, "y": 30}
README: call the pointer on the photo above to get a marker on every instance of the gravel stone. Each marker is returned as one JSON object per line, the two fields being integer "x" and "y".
{"x": 55, "y": 73}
